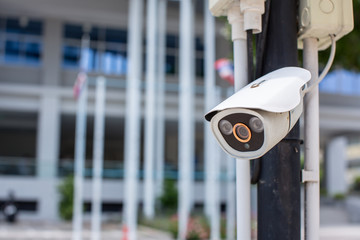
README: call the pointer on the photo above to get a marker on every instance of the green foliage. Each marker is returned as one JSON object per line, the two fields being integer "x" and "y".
{"x": 339, "y": 196}
{"x": 323, "y": 192}
{"x": 356, "y": 184}
{"x": 197, "y": 229}
{"x": 173, "y": 227}
{"x": 160, "y": 222}
{"x": 66, "y": 190}
{"x": 169, "y": 199}
{"x": 347, "y": 48}
{"x": 223, "y": 228}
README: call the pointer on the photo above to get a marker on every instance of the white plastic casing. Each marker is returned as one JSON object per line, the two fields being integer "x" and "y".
{"x": 276, "y": 126}
{"x": 278, "y": 91}
{"x": 319, "y": 18}
{"x": 236, "y": 19}
{"x": 220, "y": 7}
{"x": 252, "y": 10}
{"x": 276, "y": 99}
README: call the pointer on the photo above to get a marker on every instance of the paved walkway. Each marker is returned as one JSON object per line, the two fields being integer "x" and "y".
{"x": 25, "y": 230}
{"x": 350, "y": 232}
{"x": 334, "y": 221}
{"x": 335, "y": 224}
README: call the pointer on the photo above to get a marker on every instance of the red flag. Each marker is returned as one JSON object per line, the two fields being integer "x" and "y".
{"x": 79, "y": 83}
{"x": 225, "y": 69}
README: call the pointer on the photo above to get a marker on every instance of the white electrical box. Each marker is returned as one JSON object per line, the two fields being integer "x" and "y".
{"x": 220, "y": 7}
{"x": 319, "y": 18}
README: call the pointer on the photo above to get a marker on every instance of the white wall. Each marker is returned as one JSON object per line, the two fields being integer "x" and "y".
{"x": 336, "y": 166}
{"x": 20, "y": 74}
{"x": 45, "y": 192}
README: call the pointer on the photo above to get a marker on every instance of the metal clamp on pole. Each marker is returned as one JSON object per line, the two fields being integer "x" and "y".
{"x": 309, "y": 176}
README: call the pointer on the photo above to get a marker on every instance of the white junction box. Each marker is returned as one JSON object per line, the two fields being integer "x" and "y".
{"x": 319, "y": 18}
{"x": 220, "y": 7}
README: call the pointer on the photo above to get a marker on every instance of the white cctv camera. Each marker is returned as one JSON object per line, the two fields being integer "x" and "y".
{"x": 254, "y": 119}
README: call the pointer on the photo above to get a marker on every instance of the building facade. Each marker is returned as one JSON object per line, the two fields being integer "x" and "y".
{"x": 40, "y": 43}
{"x": 40, "y": 46}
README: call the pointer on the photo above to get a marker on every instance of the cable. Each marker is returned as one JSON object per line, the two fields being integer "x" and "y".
{"x": 250, "y": 55}
{"x": 260, "y": 46}
{"x": 327, "y": 67}
{"x": 255, "y": 170}
{"x": 261, "y": 41}
{"x": 255, "y": 164}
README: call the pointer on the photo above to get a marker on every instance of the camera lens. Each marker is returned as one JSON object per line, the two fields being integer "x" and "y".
{"x": 256, "y": 124}
{"x": 241, "y": 132}
{"x": 225, "y": 127}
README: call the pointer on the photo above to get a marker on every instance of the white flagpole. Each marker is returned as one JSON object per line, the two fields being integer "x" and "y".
{"x": 132, "y": 117}
{"x": 186, "y": 115}
{"x": 98, "y": 157}
{"x": 212, "y": 151}
{"x": 151, "y": 62}
{"x": 160, "y": 124}
{"x": 80, "y": 142}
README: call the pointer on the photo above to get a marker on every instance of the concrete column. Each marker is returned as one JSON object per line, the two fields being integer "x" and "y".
{"x": 48, "y": 136}
{"x": 47, "y": 208}
{"x": 336, "y": 166}
{"x": 47, "y": 152}
{"x": 48, "y": 124}
{"x": 51, "y": 59}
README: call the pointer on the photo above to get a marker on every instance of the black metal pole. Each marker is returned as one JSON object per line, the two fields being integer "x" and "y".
{"x": 279, "y": 183}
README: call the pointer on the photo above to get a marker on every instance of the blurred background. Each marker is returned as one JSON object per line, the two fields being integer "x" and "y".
{"x": 40, "y": 50}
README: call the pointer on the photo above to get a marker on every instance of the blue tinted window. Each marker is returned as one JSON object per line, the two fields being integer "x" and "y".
{"x": 199, "y": 62}
{"x": 94, "y": 34}
{"x": 32, "y": 52}
{"x": 172, "y": 41}
{"x": 71, "y": 56}
{"x": 73, "y": 31}
{"x": 170, "y": 64}
{"x": 21, "y": 42}
{"x": 199, "y": 45}
{"x": 31, "y": 27}
{"x": 2, "y": 24}
{"x": 114, "y": 63}
{"x": 341, "y": 82}
{"x": 108, "y": 57}
{"x": 22, "y": 52}
{"x": 199, "y": 67}
{"x": 116, "y": 35}
{"x": 12, "y": 51}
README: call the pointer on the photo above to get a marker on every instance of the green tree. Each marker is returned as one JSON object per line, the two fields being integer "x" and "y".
{"x": 347, "y": 48}
{"x": 169, "y": 199}
{"x": 66, "y": 190}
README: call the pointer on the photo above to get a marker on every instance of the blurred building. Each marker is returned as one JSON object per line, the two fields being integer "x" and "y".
{"x": 339, "y": 128}
{"x": 39, "y": 60}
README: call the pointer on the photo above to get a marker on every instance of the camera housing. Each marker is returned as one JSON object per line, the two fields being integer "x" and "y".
{"x": 254, "y": 119}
